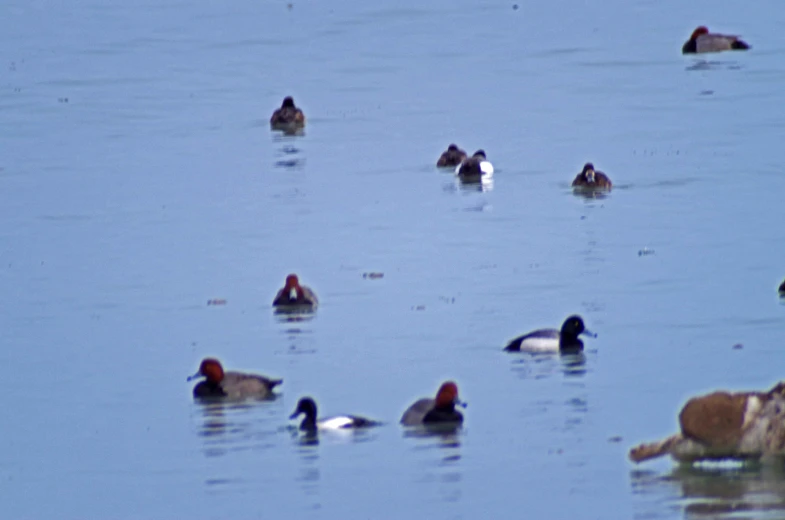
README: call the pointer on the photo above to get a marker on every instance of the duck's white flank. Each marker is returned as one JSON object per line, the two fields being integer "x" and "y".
{"x": 540, "y": 345}
{"x": 335, "y": 423}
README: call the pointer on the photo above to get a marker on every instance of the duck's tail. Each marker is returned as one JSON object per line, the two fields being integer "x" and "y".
{"x": 739, "y": 45}
{"x": 652, "y": 450}
{"x": 272, "y": 383}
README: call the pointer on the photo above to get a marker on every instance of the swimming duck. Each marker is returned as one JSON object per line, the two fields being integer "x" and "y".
{"x": 231, "y": 385}
{"x": 288, "y": 116}
{"x": 723, "y": 425}
{"x": 552, "y": 340}
{"x": 703, "y": 41}
{"x": 307, "y": 406}
{"x": 475, "y": 168}
{"x": 591, "y": 179}
{"x": 294, "y": 295}
{"x": 451, "y": 158}
{"x": 439, "y": 410}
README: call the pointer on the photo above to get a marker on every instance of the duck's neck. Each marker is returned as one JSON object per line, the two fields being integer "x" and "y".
{"x": 570, "y": 344}
{"x": 309, "y": 423}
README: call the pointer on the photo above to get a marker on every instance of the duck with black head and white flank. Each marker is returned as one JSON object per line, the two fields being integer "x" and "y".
{"x": 552, "y": 340}
{"x": 474, "y": 169}
{"x": 725, "y": 425}
{"x": 218, "y": 384}
{"x": 440, "y": 410}
{"x": 307, "y": 406}
{"x": 288, "y": 117}
{"x": 591, "y": 179}
{"x": 702, "y": 41}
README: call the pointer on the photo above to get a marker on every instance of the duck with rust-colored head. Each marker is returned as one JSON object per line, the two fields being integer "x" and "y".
{"x": 440, "y": 410}
{"x": 725, "y": 425}
{"x": 476, "y": 168}
{"x": 231, "y": 385}
{"x": 591, "y": 179}
{"x": 288, "y": 117}
{"x": 552, "y": 340}
{"x": 451, "y": 158}
{"x": 307, "y": 407}
{"x": 295, "y": 296}
{"x": 704, "y": 41}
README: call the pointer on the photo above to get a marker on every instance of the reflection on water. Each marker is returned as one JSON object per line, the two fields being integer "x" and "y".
{"x": 543, "y": 365}
{"x": 235, "y": 426}
{"x": 309, "y": 473}
{"x": 590, "y": 194}
{"x": 289, "y": 156}
{"x": 446, "y": 471}
{"x": 482, "y": 185}
{"x": 702, "y": 64}
{"x": 727, "y": 490}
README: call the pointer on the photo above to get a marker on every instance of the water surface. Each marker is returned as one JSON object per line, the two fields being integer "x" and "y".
{"x": 139, "y": 180}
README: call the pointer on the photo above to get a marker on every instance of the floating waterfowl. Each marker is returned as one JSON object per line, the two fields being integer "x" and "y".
{"x": 702, "y": 41}
{"x": 438, "y": 410}
{"x": 231, "y": 385}
{"x": 552, "y": 340}
{"x": 310, "y": 423}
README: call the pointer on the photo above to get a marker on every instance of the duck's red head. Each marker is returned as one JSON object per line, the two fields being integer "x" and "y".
{"x": 447, "y": 394}
{"x": 212, "y": 370}
{"x": 293, "y": 287}
{"x": 292, "y": 282}
{"x": 699, "y": 31}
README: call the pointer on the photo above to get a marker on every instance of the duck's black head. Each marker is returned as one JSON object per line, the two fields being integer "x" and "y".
{"x": 306, "y": 406}
{"x": 480, "y": 154}
{"x": 452, "y": 148}
{"x": 288, "y": 102}
{"x": 573, "y": 327}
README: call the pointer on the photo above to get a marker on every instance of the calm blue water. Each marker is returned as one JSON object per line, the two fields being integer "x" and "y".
{"x": 139, "y": 178}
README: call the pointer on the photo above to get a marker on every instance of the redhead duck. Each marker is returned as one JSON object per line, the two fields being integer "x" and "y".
{"x": 704, "y": 41}
{"x": 439, "y": 410}
{"x": 288, "y": 116}
{"x": 307, "y": 406}
{"x": 724, "y": 425}
{"x": 552, "y": 340}
{"x": 231, "y": 385}
{"x": 294, "y": 295}
{"x": 451, "y": 158}
{"x": 475, "y": 168}
{"x": 591, "y": 179}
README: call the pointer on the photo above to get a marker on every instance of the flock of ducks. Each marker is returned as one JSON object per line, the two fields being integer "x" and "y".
{"x": 715, "y": 426}
{"x": 440, "y": 411}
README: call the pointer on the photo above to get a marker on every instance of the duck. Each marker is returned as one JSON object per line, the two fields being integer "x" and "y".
{"x": 451, "y": 158}
{"x": 436, "y": 411}
{"x": 231, "y": 385}
{"x": 591, "y": 179}
{"x": 476, "y": 168}
{"x": 307, "y": 406}
{"x": 724, "y": 425}
{"x": 295, "y": 296}
{"x": 552, "y": 340}
{"x": 702, "y": 41}
{"x": 288, "y": 116}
